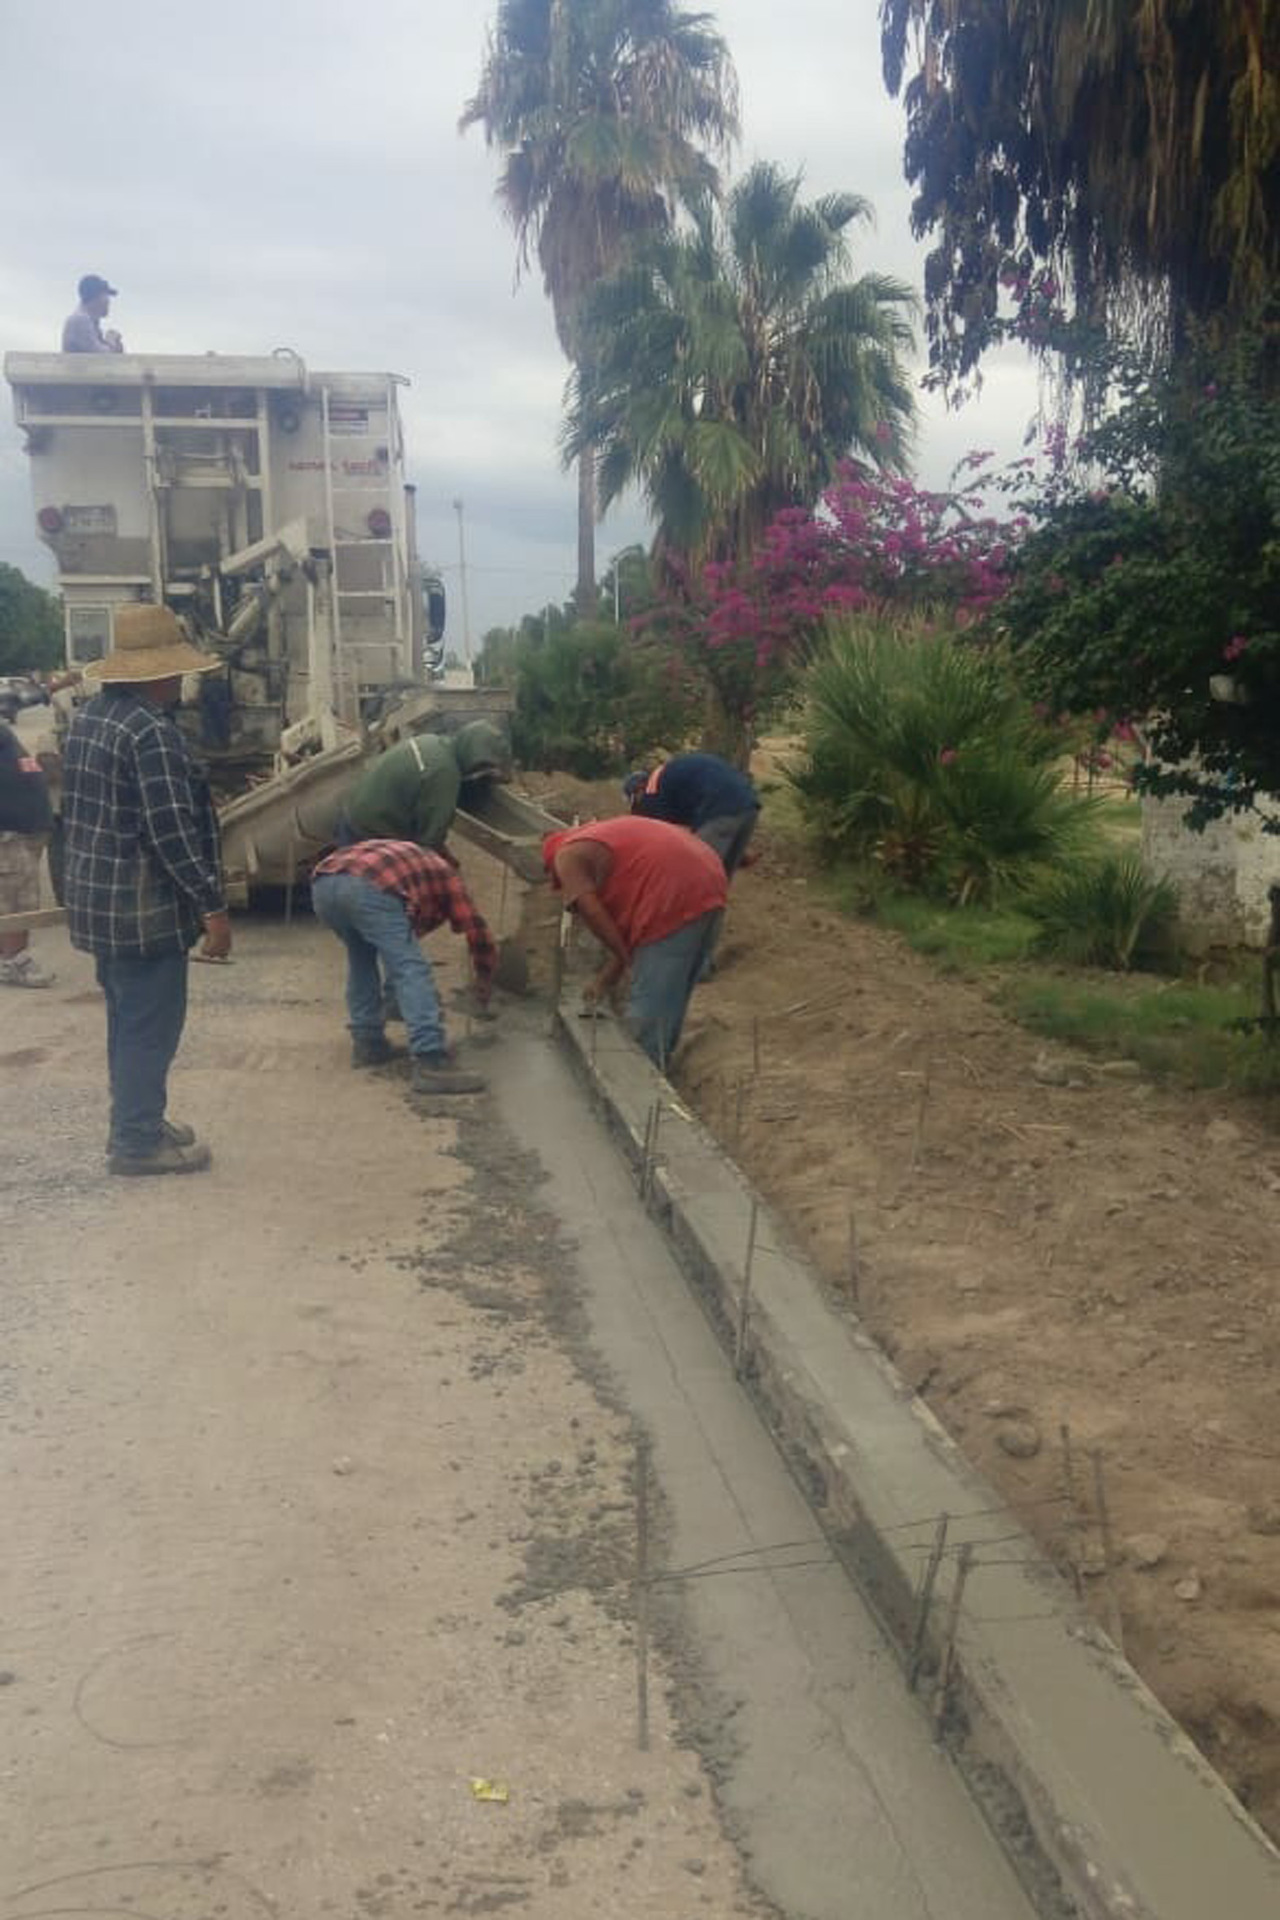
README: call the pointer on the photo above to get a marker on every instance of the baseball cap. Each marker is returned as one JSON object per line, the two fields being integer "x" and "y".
{"x": 93, "y": 285}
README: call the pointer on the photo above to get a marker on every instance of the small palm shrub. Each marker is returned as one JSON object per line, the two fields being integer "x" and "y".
{"x": 1104, "y": 913}
{"x": 923, "y": 757}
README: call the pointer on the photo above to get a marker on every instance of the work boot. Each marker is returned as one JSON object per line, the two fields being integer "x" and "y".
{"x": 168, "y": 1157}
{"x": 172, "y": 1134}
{"x": 20, "y": 970}
{"x": 435, "y": 1073}
{"x": 373, "y": 1050}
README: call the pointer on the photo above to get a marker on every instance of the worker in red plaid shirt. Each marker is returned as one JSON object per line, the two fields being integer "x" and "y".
{"x": 381, "y": 897}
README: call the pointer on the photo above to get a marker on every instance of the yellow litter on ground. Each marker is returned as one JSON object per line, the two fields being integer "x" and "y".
{"x": 496, "y": 1790}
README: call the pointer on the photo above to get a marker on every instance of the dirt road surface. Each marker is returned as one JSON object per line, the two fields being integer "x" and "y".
{"x": 318, "y": 1503}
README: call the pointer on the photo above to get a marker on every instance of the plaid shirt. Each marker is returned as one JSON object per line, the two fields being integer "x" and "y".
{"x": 432, "y": 891}
{"x": 142, "y": 849}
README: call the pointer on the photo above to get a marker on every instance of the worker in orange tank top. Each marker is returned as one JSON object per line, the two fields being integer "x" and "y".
{"x": 653, "y": 895}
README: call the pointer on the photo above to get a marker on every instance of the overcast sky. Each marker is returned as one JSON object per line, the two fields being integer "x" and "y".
{"x": 278, "y": 173}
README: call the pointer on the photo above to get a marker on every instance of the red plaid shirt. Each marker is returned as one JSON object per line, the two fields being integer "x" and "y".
{"x": 432, "y": 891}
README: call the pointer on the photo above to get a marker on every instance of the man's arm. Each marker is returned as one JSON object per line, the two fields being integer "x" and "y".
{"x": 593, "y": 913}
{"x": 581, "y": 869}
{"x": 435, "y": 801}
{"x": 171, "y": 829}
{"x": 464, "y": 919}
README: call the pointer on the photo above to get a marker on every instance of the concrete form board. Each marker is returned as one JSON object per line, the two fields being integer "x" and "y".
{"x": 1134, "y": 1821}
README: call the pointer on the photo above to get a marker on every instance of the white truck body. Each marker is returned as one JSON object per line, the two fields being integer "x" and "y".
{"x": 267, "y": 505}
{"x": 264, "y": 502}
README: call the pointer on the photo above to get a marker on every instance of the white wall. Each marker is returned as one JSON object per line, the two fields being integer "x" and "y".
{"x": 1222, "y": 875}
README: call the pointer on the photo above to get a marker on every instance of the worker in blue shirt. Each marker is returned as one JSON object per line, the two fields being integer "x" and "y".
{"x": 704, "y": 793}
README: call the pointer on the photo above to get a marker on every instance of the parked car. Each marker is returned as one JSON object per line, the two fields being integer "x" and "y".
{"x": 19, "y": 690}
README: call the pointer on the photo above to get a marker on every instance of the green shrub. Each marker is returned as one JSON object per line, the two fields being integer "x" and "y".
{"x": 923, "y": 756}
{"x": 1105, "y": 913}
{"x": 591, "y": 700}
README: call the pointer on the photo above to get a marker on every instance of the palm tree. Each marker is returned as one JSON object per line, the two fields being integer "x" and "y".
{"x": 606, "y": 113}
{"x": 733, "y": 365}
{"x": 1129, "y": 148}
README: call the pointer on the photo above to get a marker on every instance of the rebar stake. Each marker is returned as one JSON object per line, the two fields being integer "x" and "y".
{"x": 917, "y": 1144}
{"x": 557, "y": 973}
{"x": 942, "y": 1691}
{"x": 1073, "y": 1508}
{"x": 502, "y": 900}
{"x": 645, "y": 1151}
{"x": 642, "y": 1594}
{"x": 855, "y": 1259}
{"x": 293, "y": 869}
{"x": 744, "y": 1303}
{"x": 1108, "y": 1551}
{"x": 927, "y": 1586}
{"x": 651, "y": 1151}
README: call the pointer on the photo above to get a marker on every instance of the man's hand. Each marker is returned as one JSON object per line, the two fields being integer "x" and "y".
{"x": 604, "y": 982}
{"x": 217, "y": 936}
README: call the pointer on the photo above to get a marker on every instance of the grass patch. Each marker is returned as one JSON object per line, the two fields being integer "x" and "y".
{"x": 1176, "y": 1029}
{"x": 961, "y": 939}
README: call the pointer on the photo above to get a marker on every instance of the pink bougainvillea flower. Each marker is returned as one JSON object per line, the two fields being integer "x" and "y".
{"x": 1235, "y": 646}
{"x": 948, "y": 757}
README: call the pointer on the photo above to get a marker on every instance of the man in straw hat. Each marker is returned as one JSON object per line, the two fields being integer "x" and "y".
{"x": 142, "y": 875}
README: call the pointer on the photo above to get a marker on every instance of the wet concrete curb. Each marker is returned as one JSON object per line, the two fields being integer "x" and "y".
{"x": 1104, "y": 1805}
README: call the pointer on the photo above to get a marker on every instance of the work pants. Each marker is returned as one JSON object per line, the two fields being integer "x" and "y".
{"x": 729, "y": 835}
{"x": 146, "y": 996}
{"x": 374, "y": 926}
{"x": 663, "y": 975}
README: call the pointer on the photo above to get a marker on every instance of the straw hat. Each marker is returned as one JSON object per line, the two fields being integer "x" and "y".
{"x": 150, "y": 645}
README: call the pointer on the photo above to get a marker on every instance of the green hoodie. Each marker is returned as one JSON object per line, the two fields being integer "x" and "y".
{"x": 411, "y": 791}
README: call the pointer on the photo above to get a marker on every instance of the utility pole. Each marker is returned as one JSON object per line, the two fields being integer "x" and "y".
{"x": 462, "y": 576}
{"x": 616, "y": 602}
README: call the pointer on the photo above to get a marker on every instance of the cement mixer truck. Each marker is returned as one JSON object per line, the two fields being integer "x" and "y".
{"x": 267, "y": 504}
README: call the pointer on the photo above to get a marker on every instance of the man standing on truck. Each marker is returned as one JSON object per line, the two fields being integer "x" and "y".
{"x": 653, "y": 896}
{"x": 82, "y": 331}
{"x": 412, "y": 791}
{"x": 142, "y": 875}
{"x": 25, "y": 820}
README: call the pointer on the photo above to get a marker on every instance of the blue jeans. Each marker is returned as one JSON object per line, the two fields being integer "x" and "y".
{"x": 729, "y": 835}
{"x": 146, "y": 997}
{"x": 663, "y": 975}
{"x": 373, "y": 925}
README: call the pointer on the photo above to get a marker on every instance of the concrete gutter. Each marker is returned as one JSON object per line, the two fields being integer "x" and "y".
{"x": 1057, "y": 1736}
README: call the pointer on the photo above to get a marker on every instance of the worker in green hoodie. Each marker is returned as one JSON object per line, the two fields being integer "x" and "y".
{"x": 412, "y": 791}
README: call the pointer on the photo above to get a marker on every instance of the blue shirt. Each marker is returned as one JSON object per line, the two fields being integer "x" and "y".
{"x": 692, "y": 788}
